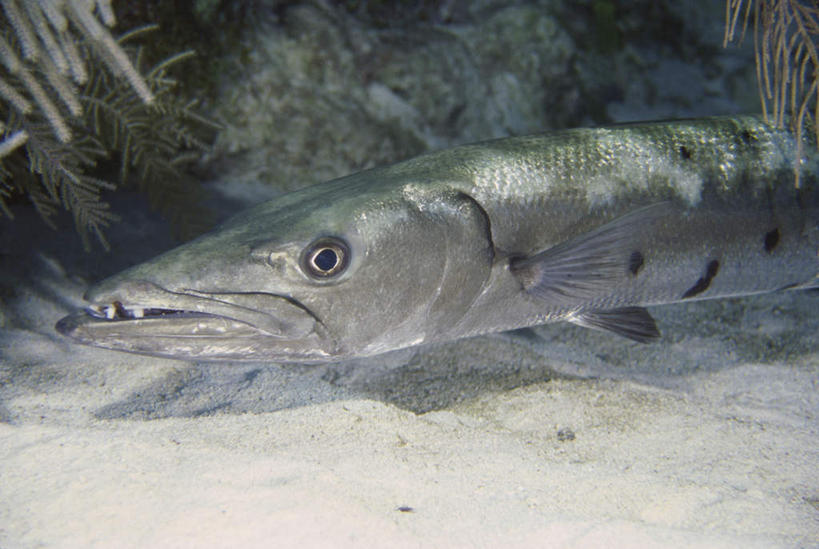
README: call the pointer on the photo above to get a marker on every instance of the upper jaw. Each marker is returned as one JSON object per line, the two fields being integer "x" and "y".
{"x": 142, "y": 317}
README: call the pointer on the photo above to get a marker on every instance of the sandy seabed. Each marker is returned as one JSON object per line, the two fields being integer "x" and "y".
{"x": 553, "y": 437}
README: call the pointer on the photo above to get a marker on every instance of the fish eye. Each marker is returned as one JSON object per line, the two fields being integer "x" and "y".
{"x": 326, "y": 258}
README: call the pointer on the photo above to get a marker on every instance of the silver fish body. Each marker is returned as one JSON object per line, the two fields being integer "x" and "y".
{"x": 585, "y": 225}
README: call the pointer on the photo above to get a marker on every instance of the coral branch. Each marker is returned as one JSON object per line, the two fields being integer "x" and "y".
{"x": 48, "y": 48}
{"x": 12, "y": 141}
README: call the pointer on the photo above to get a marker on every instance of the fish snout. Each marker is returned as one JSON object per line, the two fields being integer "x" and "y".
{"x": 272, "y": 314}
{"x": 142, "y": 317}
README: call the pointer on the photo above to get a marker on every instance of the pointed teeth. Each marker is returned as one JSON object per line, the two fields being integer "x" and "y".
{"x": 101, "y": 311}
{"x": 117, "y": 311}
{"x": 114, "y": 311}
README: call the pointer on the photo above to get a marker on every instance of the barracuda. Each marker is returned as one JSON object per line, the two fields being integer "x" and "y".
{"x": 588, "y": 226}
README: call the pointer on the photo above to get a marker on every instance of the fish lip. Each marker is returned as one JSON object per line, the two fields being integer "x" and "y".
{"x": 144, "y": 318}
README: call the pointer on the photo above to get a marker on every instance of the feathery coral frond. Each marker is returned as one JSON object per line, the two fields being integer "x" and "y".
{"x": 787, "y": 57}
{"x": 52, "y": 48}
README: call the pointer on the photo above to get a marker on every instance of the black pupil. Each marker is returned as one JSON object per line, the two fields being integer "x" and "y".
{"x": 326, "y": 259}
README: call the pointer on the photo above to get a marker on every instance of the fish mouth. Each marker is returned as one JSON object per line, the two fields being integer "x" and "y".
{"x": 144, "y": 318}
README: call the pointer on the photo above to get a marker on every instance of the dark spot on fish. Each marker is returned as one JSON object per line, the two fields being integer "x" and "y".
{"x": 635, "y": 262}
{"x": 405, "y": 509}
{"x": 704, "y": 281}
{"x": 684, "y": 152}
{"x": 771, "y": 240}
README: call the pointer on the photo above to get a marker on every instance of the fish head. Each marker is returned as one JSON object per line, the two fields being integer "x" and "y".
{"x": 353, "y": 267}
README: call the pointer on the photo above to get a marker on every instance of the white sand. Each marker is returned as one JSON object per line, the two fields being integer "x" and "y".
{"x": 707, "y": 439}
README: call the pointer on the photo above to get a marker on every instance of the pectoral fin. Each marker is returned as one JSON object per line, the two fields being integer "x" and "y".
{"x": 634, "y": 323}
{"x": 585, "y": 267}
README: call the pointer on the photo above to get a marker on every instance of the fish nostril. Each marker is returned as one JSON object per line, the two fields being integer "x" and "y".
{"x": 278, "y": 261}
